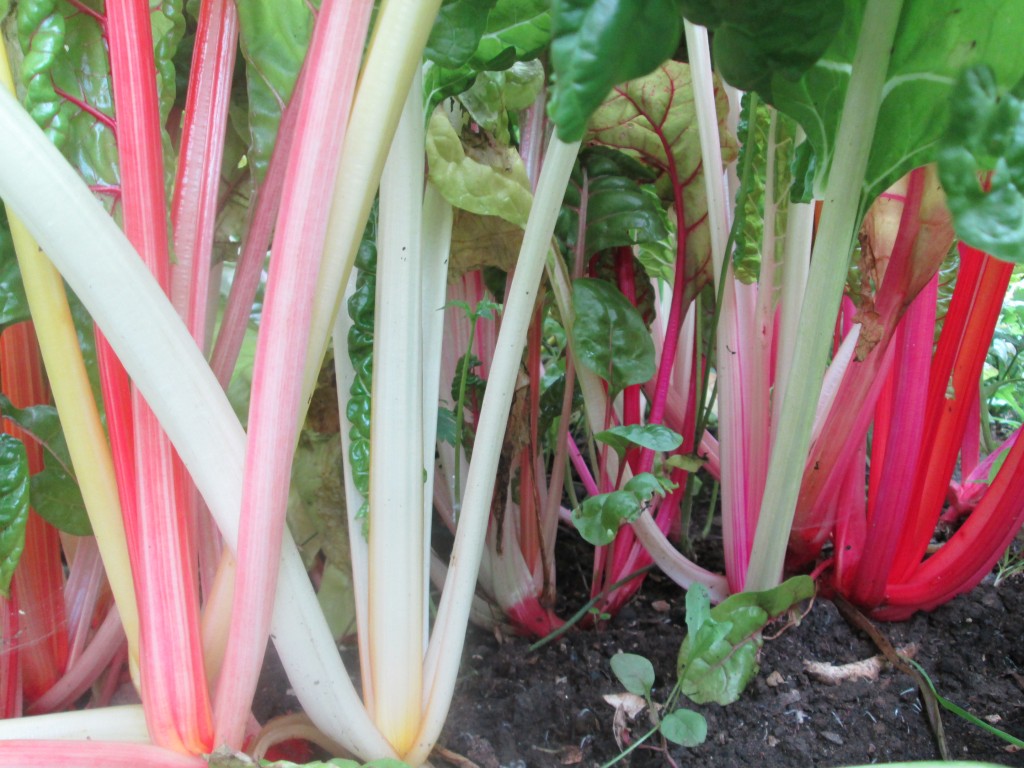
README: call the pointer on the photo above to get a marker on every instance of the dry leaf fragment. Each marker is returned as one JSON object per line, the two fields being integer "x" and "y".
{"x": 867, "y": 669}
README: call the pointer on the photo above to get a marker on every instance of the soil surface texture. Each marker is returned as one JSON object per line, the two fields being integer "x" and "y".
{"x": 518, "y": 708}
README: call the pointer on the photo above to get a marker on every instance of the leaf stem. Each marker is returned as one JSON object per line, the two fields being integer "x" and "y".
{"x": 842, "y": 211}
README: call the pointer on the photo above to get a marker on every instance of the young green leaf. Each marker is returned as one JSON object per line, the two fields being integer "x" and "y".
{"x": 635, "y": 672}
{"x": 14, "y": 494}
{"x": 599, "y": 517}
{"x": 698, "y": 608}
{"x": 645, "y": 486}
{"x": 719, "y": 655}
{"x": 684, "y": 727}
{"x": 599, "y": 45}
{"x": 986, "y": 136}
{"x": 55, "y": 493}
{"x": 611, "y": 338}
{"x": 657, "y": 437}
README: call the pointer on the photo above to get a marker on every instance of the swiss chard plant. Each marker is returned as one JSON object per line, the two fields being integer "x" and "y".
{"x": 542, "y": 260}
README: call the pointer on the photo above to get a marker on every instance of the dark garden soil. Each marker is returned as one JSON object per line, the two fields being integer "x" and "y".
{"x": 545, "y": 708}
{"x": 517, "y": 708}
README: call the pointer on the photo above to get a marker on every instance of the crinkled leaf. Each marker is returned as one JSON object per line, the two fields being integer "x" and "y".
{"x": 65, "y": 68}
{"x": 14, "y": 495}
{"x": 476, "y": 175}
{"x": 753, "y": 42}
{"x": 652, "y": 119}
{"x": 13, "y": 304}
{"x": 55, "y": 493}
{"x": 765, "y": 133}
{"x": 986, "y": 135}
{"x": 598, "y": 45}
{"x": 515, "y": 30}
{"x": 936, "y": 40}
{"x": 457, "y": 31}
{"x": 610, "y": 336}
{"x": 599, "y": 517}
{"x": 623, "y": 207}
{"x": 274, "y": 36}
{"x": 635, "y": 672}
{"x": 167, "y": 20}
{"x": 684, "y": 727}
{"x": 445, "y": 425}
{"x": 657, "y": 437}
{"x": 719, "y": 655}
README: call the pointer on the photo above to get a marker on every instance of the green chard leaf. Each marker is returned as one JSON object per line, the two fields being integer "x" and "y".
{"x": 635, "y": 672}
{"x": 719, "y": 655}
{"x": 513, "y": 31}
{"x": 599, "y": 518}
{"x": 361, "y": 306}
{"x": 623, "y": 206}
{"x": 599, "y": 45}
{"x": 936, "y": 40}
{"x": 657, "y": 437}
{"x": 610, "y": 336}
{"x": 13, "y": 304}
{"x": 274, "y": 36}
{"x": 14, "y": 495}
{"x": 475, "y": 174}
{"x": 684, "y": 727}
{"x": 986, "y": 136}
{"x": 495, "y": 98}
{"x": 652, "y": 119}
{"x": 457, "y": 31}
{"x": 753, "y": 42}
{"x": 55, "y": 493}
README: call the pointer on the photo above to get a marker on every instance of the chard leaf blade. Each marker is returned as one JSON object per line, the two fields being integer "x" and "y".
{"x": 610, "y": 335}
{"x": 718, "y": 657}
{"x": 14, "y": 496}
{"x": 936, "y": 40}
{"x": 55, "y": 493}
{"x": 986, "y": 136}
{"x": 597, "y": 45}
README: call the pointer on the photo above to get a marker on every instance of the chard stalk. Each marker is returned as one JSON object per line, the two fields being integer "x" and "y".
{"x": 103, "y": 269}
{"x": 832, "y": 247}
{"x": 446, "y": 642}
{"x": 399, "y": 36}
{"x": 79, "y": 416}
{"x": 174, "y": 689}
{"x": 276, "y": 407}
{"x": 397, "y": 529}
{"x": 197, "y": 182}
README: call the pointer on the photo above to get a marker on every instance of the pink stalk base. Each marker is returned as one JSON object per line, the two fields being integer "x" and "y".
{"x": 91, "y": 754}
